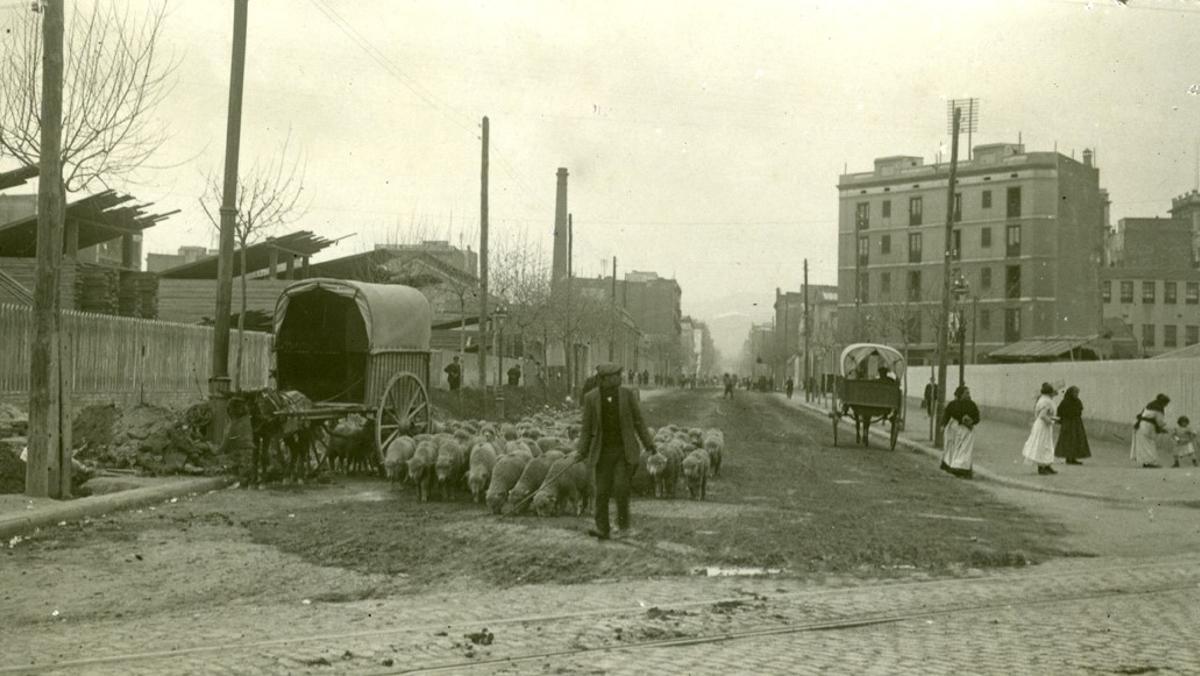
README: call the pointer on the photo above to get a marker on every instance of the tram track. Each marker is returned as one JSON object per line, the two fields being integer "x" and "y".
{"x": 910, "y": 602}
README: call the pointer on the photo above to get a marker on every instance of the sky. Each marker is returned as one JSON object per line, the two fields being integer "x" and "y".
{"x": 704, "y": 140}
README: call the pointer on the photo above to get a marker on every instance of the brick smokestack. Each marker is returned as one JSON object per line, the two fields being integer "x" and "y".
{"x": 559, "y": 264}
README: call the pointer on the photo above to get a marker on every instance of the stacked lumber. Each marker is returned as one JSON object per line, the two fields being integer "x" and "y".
{"x": 138, "y": 294}
{"x": 97, "y": 288}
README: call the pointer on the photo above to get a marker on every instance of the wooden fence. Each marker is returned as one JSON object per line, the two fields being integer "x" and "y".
{"x": 126, "y": 360}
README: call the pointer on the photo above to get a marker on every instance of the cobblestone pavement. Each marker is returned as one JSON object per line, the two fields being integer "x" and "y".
{"x": 1085, "y": 616}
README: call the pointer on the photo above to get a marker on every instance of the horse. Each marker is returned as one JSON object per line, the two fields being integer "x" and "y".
{"x": 294, "y": 434}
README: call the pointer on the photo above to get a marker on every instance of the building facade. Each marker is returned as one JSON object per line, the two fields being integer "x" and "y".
{"x": 1028, "y": 240}
{"x": 655, "y": 305}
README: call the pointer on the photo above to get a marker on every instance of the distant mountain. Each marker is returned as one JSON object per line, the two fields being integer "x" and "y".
{"x": 729, "y": 319}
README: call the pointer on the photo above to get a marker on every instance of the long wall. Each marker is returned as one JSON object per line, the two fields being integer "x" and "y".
{"x": 125, "y": 360}
{"x": 1113, "y": 392}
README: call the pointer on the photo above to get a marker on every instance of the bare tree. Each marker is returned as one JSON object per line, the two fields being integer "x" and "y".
{"x": 269, "y": 196}
{"x": 115, "y": 75}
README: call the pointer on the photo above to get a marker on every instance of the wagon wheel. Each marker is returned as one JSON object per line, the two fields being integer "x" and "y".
{"x": 895, "y": 429}
{"x": 403, "y": 409}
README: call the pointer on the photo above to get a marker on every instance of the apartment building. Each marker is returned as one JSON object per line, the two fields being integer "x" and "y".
{"x": 1028, "y": 240}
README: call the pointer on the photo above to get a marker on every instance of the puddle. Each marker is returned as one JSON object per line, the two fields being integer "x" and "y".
{"x": 720, "y": 571}
{"x": 368, "y": 496}
{"x": 846, "y": 481}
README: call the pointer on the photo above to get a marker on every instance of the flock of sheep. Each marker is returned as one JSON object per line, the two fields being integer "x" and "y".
{"x": 532, "y": 464}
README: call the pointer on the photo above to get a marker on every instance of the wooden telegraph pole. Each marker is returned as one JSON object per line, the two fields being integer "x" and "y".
{"x": 218, "y": 382}
{"x": 807, "y": 330}
{"x": 46, "y": 472}
{"x": 943, "y": 334}
{"x": 612, "y": 327}
{"x": 483, "y": 264}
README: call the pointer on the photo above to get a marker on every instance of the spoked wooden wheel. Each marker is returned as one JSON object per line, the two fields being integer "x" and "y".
{"x": 403, "y": 409}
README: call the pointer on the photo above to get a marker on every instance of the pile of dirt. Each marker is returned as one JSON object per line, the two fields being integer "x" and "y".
{"x": 13, "y": 421}
{"x": 12, "y": 472}
{"x": 151, "y": 439}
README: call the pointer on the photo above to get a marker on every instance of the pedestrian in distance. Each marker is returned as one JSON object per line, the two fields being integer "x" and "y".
{"x": 514, "y": 376}
{"x": 1072, "y": 439}
{"x": 959, "y": 420}
{"x": 1039, "y": 447}
{"x": 608, "y": 443}
{"x": 1185, "y": 442}
{"x": 790, "y": 385}
{"x": 729, "y": 383}
{"x": 929, "y": 400}
{"x": 1150, "y": 423}
{"x": 453, "y": 374}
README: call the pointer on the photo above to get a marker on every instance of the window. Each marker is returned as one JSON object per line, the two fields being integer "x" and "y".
{"x": 914, "y": 285}
{"x": 885, "y": 244}
{"x": 864, "y": 287}
{"x": 1191, "y": 335}
{"x": 914, "y": 327}
{"x": 862, "y": 215}
{"x": 1012, "y": 281}
{"x": 1192, "y": 291}
{"x": 1012, "y": 324}
{"x": 1148, "y": 292}
{"x": 985, "y": 320}
{"x": 914, "y": 247}
{"x": 1170, "y": 337}
{"x": 985, "y": 278}
{"x": 915, "y": 210}
{"x": 985, "y": 238}
{"x": 1169, "y": 293}
{"x": 1014, "y": 202}
{"x": 1147, "y": 336}
{"x": 885, "y": 284}
{"x": 1106, "y": 291}
{"x": 987, "y": 199}
{"x": 887, "y": 208}
{"x": 957, "y": 206}
{"x": 956, "y": 245}
{"x": 1012, "y": 240}
{"x": 1126, "y": 292}
{"x": 864, "y": 249}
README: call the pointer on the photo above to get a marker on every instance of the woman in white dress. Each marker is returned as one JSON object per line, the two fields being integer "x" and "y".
{"x": 1039, "y": 447}
{"x": 1151, "y": 422}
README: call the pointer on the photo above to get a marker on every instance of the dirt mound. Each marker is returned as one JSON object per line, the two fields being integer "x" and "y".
{"x": 151, "y": 439}
{"x": 12, "y": 472}
{"x": 13, "y": 421}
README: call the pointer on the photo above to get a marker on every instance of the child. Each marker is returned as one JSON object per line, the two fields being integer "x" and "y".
{"x": 239, "y": 441}
{"x": 1185, "y": 442}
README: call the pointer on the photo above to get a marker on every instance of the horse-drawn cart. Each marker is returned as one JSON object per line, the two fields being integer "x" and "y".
{"x": 867, "y": 394}
{"x": 355, "y": 348}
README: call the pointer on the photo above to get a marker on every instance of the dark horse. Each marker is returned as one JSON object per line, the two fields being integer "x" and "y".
{"x": 292, "y": 434}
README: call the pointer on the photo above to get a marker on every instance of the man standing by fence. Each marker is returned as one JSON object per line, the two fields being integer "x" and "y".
{"x": 453, "y": 374}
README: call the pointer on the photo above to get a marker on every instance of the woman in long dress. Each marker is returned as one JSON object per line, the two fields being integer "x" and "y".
{"x": 1072, "y": 439}
{"x": 959, "y": 419}
{"x": 1039, "y": 447}
{"x": 1151, "y": 422}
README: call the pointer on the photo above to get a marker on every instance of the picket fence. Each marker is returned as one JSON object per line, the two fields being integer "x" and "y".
{"x": 126, "y": 360}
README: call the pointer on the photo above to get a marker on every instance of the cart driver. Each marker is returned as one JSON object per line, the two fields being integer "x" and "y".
{"x": 885, "y": 374}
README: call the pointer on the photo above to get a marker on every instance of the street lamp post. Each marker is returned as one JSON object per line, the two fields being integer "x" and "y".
{"x": 961, "y": 289}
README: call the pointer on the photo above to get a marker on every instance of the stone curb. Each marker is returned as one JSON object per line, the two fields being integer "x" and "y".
{"x": 988, "y": 475}
{"x": 75, "y": 510}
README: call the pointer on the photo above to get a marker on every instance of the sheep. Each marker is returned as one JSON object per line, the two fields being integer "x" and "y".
{"x": 567, "y": 485}
{"x": 421, "y": 469}
{"x": 714, "y": 443}
{"x": 449, "y": 467}
{"x": 483, "y": 459}
{"x": 505, "y": 474}
{"x": 531, "y": 480}
{"x": 695, "y": 473}
{"x": 395, "y": 458}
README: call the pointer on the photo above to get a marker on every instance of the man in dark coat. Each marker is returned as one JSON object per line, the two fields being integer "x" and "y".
{"x": 929, "y": 401}
{"x": 608, "y": 442}
{"x": 453, "y": 374}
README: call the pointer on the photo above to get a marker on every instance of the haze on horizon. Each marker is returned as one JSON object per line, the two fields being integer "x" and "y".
{"x": 704, "y": 140}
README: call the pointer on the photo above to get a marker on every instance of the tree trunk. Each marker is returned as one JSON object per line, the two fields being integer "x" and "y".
{"x": 241, "y": 329}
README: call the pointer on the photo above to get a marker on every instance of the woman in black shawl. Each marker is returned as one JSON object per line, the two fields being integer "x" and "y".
{"x": 1072, "y": 439}
{"x": 960, "y": 418}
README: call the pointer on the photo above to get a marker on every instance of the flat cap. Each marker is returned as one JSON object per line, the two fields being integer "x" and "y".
{"x": 608, "y": 369}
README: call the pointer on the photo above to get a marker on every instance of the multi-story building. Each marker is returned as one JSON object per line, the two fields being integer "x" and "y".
{"x": 655, "y": 305}
{"x": 158, "y": 262}
{"x": 1152, "y": 283}
{"x": 1027, "y": 239}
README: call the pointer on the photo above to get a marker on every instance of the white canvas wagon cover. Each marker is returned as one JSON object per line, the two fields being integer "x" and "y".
{"x": 397, "y": 317}
{"x": 875, "y": 355}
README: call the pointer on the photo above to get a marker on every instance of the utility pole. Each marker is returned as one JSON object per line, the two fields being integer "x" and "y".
{"x": 807, "y": 331}
{"x": 569, "y": 342}
{"x": 46, "y": 472}
{"x": 612, "y": 324}
{"x": 943, "y": 325}
{"x": 218, "y": 382}
{"x": 483, "y": 265}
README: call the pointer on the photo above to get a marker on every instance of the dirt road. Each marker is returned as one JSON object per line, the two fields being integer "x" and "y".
{"x": 232, "y": 581}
